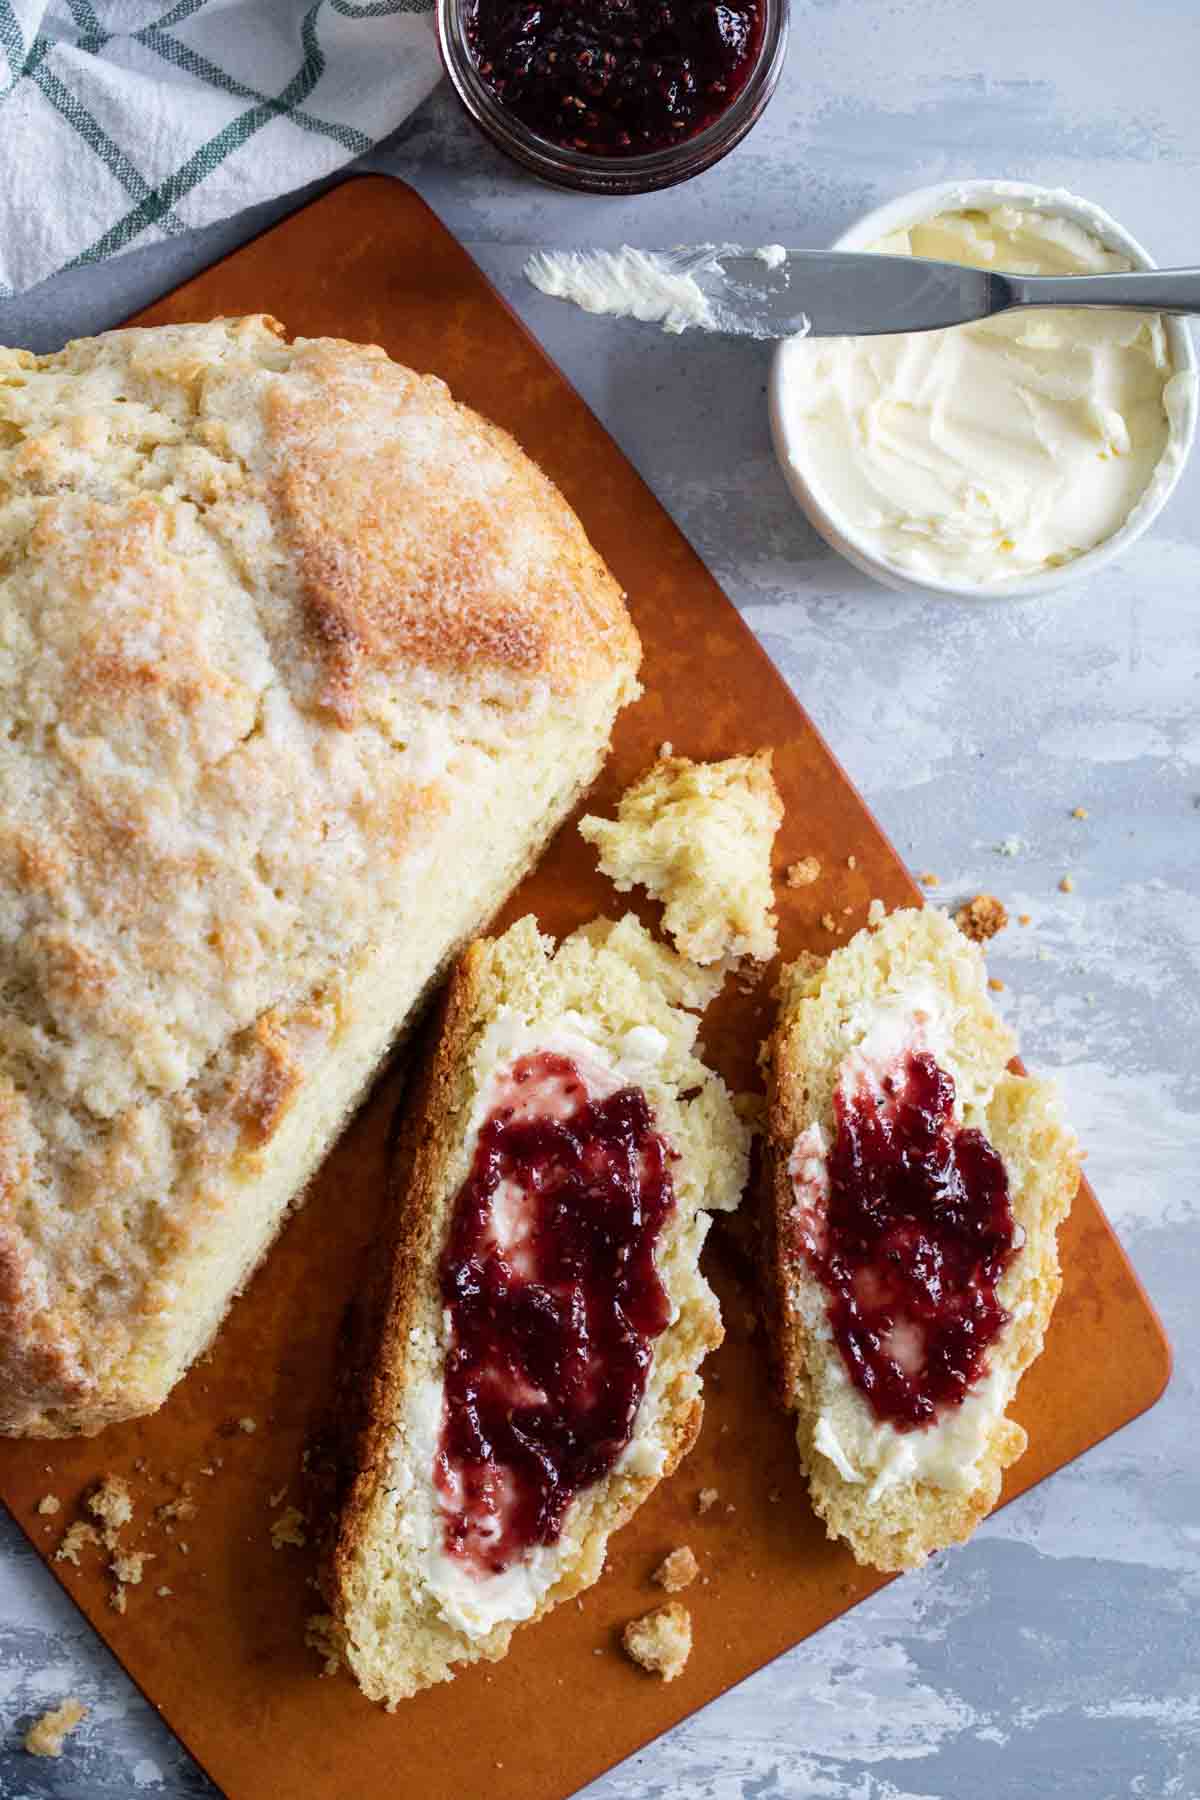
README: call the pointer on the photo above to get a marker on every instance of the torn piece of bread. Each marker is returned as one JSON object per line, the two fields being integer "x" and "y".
{"x": 698, "y": 837}
{"x": 405, "y": 1583}
{"x": 914, "y": 984}
{"x": 661, "y": 1641}
{"x": 303, "y": 664}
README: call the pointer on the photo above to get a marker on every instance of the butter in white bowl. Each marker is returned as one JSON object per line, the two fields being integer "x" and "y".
{"x": 992, "y": 456}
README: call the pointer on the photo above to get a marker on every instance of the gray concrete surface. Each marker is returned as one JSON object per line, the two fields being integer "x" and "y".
{"x": 1060, "y": 1652}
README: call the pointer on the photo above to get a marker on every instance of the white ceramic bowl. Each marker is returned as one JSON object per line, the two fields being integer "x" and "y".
{"x": 900, "y": 215}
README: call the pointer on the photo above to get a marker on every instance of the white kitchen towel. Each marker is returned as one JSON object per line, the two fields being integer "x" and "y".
{"x": 123, "y": 122}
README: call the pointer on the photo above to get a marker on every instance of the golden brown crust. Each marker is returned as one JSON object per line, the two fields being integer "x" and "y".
{"x": 433, "y": 587}
{"x": 402, "y": 1263}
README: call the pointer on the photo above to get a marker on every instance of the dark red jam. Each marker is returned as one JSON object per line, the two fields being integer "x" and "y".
{"x": 555, "y": 1302}
{"x": 918, "y": 1234}
{"x": 615, "y": 77}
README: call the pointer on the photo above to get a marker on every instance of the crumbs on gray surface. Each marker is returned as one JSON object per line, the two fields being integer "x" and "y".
{"x": 46, "y": 1735}
{"x": 1012, "y": 845}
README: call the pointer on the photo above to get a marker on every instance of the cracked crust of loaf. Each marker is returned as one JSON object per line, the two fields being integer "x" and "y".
{"x": 698, "y": 837}
{"x": 389, "y": 1629}
{"x": 1020, "y": 1117}
{"x": 293, "y": 642}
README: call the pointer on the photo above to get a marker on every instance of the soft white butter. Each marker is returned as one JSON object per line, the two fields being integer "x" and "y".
{"x": 626, "y": 283}
{"x": 998, "y": 450}
{"x": 657, "y": 287}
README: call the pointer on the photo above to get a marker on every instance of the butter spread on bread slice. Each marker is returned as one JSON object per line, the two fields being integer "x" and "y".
{"x": 303, "y": 664}
{"x": 915, "y": 1187}
{"x": 536, "y": 1366}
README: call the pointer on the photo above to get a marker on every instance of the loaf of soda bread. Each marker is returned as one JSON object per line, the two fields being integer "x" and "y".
{"x": 893, "y": 1494}
{"x": 405, "y": 1610}
{"x": 302, "y": 664}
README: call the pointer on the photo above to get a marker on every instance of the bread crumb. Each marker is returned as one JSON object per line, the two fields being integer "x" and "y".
{"x": 207, "y": 1469}
{"x": 852, "y": 862}
{"x": 117, "y": 1600}
{"x": 661, "y": 1642}
{"x": 288, "y": 1528}
{"x": 75, "y": 1538}
{"x": 829, "y": 922}
{"x": 110, "y": 1501}
{"x": 996, "y": 985}
{"x": 730, "y": 1507}
{"x": 47, "y": 1735}
{"x": 677, "y": 1570}
{"x": 751, "y": 1109}
{"x": 876, "y": 913}
{"x": 698, "y": 837}
{"x": 981, "y": 918}
{"x": 274, "y": 1499}
{"x": 247, "y": 1425}
{"x": 846, "y": 911}
{"x": 183, "y": 1508}
{"x": 164, "y": 1592}
{"x": 706, "y": 1499}
{"x": 1024, "y": 918}
{"x": 321, "y": 1635}
{"x": 1080, "y": 812}
{"x": 128, "y": 1567}
{"x": 1066, "y": 885}
{"x": 803, "y": 873}
{"x": 49, "y": 1503}
{"x": 1012, "y": 845}
{"x": 927, "y": 878}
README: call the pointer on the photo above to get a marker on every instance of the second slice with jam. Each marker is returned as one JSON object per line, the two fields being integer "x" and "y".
{"x": 537, "y": 1367}
{"x": 915, "y": 1190}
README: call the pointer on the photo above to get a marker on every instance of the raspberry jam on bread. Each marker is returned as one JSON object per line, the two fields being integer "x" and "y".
{"x": 907, "y": 1224}
{"x": 554, "y": 1301}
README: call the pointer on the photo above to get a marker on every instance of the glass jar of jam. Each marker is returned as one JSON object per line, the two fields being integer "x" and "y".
{"x": 614, "y": 96}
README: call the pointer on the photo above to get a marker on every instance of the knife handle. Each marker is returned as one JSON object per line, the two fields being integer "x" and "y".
{"x": 1145, "y": 290}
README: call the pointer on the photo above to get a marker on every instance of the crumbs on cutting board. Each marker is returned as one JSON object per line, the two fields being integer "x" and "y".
{"x": 106, "y": 1517}
{"x": 288, "y": 1529}
{"x": 661, "y": 1641}
{"x": 677, "y": 1570}
{"x": 803, "y": 873}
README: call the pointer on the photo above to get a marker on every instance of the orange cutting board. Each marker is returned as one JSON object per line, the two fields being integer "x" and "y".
{"x": 222, "y": 1655}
